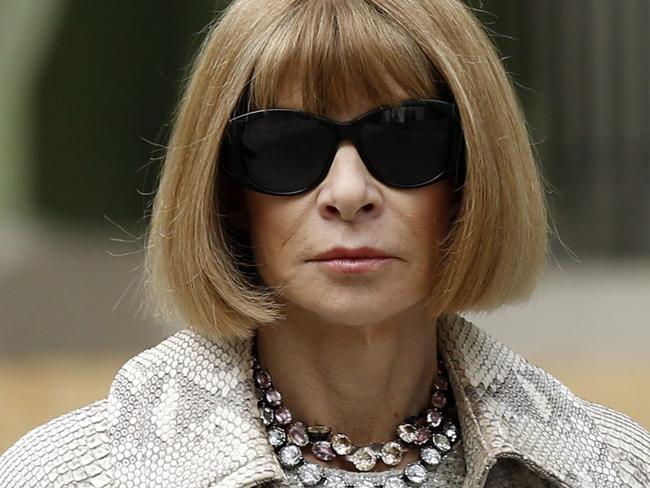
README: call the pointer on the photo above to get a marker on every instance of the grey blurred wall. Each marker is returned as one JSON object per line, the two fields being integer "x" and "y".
{"x": 583, "y": 67}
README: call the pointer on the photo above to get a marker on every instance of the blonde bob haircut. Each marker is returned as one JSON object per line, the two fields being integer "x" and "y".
{"x": 199, "y": 271}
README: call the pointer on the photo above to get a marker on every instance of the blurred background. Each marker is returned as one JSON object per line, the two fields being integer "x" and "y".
{"x": 87, "y": 90}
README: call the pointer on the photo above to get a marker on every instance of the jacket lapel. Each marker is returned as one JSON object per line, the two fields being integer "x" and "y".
{"x": 184, "y": 413}
{"x": 511, "y": 409}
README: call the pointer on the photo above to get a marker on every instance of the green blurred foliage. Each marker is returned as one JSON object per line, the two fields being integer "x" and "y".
{"x": 106, "y": 96}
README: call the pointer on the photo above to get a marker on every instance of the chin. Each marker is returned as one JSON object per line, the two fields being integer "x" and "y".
{"x": 356, "y": 313}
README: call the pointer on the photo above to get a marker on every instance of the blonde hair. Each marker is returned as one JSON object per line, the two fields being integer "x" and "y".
{"x": 496, "y": 248}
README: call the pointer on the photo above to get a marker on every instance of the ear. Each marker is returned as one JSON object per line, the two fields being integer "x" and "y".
{"x": 234, "y": 206}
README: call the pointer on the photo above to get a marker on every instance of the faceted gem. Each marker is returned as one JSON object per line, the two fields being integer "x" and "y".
{"x": 323, "y": 450}
{"x": 273, "y": 397}
{"x": 365, "y": 483}
{"x": 263, "y": 379}
{"x": 434, "y": 417}
{"x": 267, "y": 415}
{"x": 282, "y": 415}
{"x": 298, "y": 434}
{"x": 422, "y": 436}
{"x": 290, "y": 456}
{"x": 277, "y": 437}
{"x": 318, "y": 432}
{"x": 310, "y": 474}
{"x": 411, "y": 419}
{"x": 391, "y": 453}
{"x": 450, "y": 429}
{"x": 407, "y": 432}
{"x": 395, "y": 482}
{"x": 438, "y": 399}
{"x": 415, "y": 473}
{"x": 364, "y": 458}
{"x": 334, "y": 481}
{"x": 441, "y": 442}
{"x": 430, "y": 457}
{"x": 341, "y": 444}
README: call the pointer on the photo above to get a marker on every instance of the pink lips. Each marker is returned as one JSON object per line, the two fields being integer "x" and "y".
{"x": 357, "y": 260}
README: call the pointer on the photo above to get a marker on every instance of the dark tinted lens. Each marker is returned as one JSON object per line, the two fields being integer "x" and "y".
{"x": 408, "y": 145}
{"x": 283, "y": 152}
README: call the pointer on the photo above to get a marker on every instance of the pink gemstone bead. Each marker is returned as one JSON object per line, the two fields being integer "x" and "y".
{"x": 298, "y": 434}
{"x": 323, "y": 450}
{"x": 282, "y": 415}
{"x": 438, "y": 399}
{"x": 263, "y": 379}
{"x": 422, "y": 436}
{"x": 273, "y": 397}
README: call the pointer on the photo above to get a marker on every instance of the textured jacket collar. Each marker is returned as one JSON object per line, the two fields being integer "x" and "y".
{"x": 508, "y": 409}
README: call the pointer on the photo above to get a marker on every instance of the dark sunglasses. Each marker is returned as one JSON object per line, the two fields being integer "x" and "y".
{"x": 285, "y": 152}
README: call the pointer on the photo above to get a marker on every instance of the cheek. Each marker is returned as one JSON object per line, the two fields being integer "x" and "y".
{"x": 432, "y": 211}
{"x": 270, "y": 226}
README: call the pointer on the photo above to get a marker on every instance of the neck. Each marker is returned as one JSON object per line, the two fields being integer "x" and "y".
{"x": 362, "y": 380}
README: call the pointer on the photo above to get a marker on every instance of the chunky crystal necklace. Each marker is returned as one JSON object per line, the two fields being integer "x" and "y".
{"x": 433, "y": 431}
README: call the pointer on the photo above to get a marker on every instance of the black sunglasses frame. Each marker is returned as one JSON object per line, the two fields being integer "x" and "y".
{"x": 234, "y": 168}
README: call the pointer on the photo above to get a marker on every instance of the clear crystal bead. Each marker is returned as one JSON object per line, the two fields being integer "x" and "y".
{"x": 395, "y": 482}
{"x": 267, "y": 415}
{"x": 407, "y": 432}
{"x": 341, "y": 444}
{"x": 364, "y": 458}
{"x": 441, "y": 442}
{"x": 434, "y": 417}
{"x": 415, "y": 473}
{"x": 277, "y": 437}
{"x": 391, "y": 453}
{"x": 365, "y": 483}
{"x": 450, "y": 429}
{"x": 334, "y": 481}
{"x": 290, "y": 456}
{"x": 310, "y": 474}
{"x": 430, "y": 457}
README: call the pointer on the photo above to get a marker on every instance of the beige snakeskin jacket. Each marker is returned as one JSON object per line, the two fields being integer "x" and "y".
{"x": 183, "y": 414}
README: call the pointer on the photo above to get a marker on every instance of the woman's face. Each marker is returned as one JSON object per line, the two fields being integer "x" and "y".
{"x": 351, "y": 209}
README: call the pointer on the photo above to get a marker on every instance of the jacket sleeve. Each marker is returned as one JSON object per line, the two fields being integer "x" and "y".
{"x": 628, "y": 442}
{"x": 67, "y": 450}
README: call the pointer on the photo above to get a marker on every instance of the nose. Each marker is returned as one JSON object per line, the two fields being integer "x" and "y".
{"x": 348, "y": 191}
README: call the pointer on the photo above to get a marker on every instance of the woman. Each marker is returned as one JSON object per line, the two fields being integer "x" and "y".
{"x": 344, "y": 178}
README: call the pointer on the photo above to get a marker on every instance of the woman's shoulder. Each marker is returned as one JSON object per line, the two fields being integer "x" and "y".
{"x": 626, "y": 439}
{"x": 73, "y": 447}
{"x": 515, "y": 408}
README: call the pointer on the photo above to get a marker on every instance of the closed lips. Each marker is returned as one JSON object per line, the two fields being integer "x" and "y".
{"x": 347, "y": 253}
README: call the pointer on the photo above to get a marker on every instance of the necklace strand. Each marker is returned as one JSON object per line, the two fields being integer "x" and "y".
{"x": 433, "y": 431}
